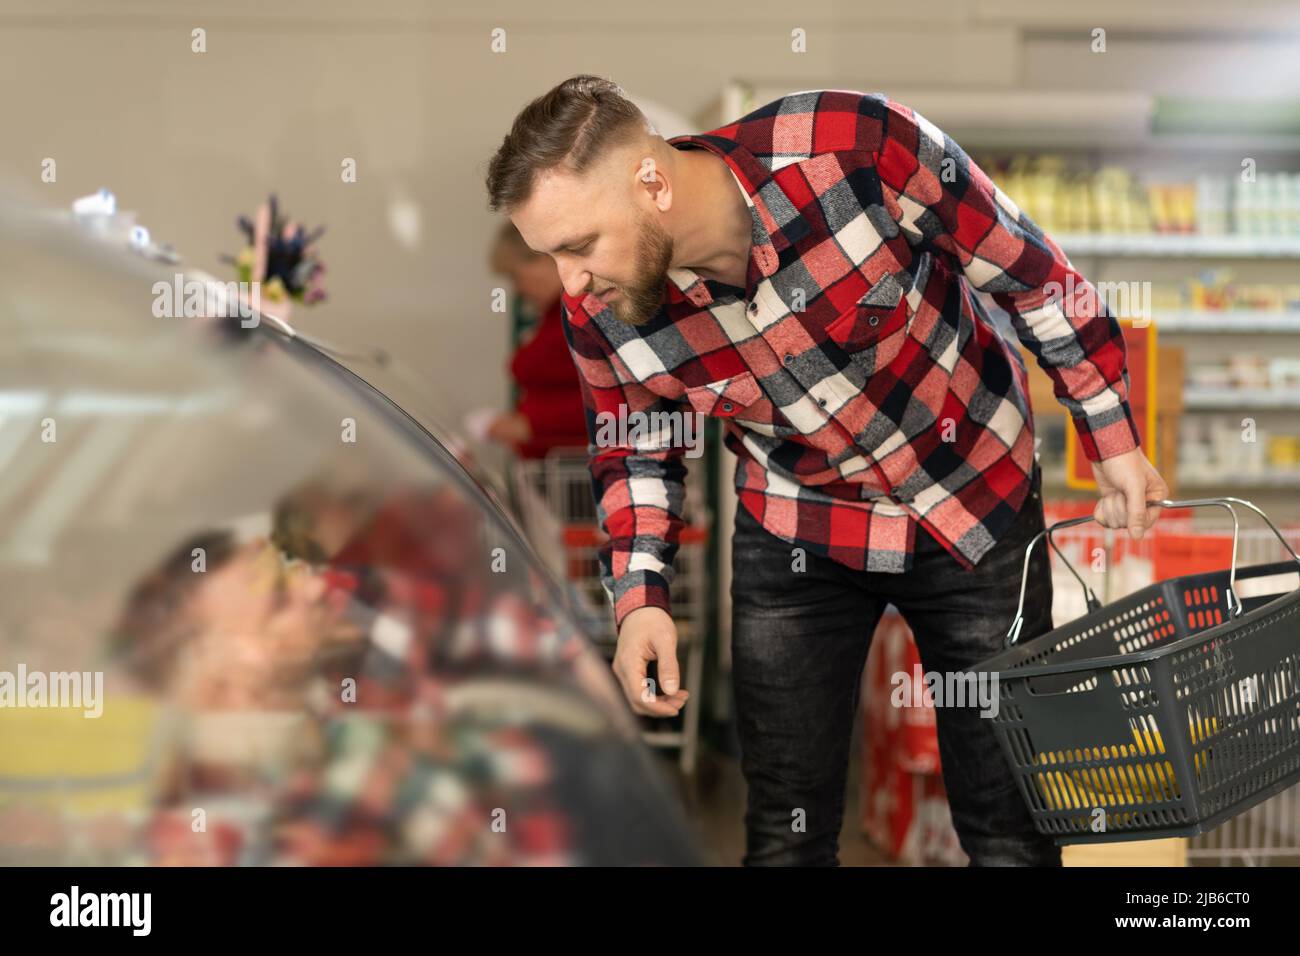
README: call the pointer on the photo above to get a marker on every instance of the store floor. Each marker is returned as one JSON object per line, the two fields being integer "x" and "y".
{"x": 715, "y": 805}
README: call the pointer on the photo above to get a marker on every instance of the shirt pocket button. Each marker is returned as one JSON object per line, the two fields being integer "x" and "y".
{"x": 726, "y": 397}
{"x": 871, "y": 331}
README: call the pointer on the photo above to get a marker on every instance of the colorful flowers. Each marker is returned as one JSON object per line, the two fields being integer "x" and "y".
{"x": 280, "y": 257}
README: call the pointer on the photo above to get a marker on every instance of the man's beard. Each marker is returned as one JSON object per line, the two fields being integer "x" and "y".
{"x": 639, "y": 302}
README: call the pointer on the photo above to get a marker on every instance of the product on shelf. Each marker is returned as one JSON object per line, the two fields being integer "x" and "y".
{"x": 1173, "y": 208}
{"x": 1213, "y": 205}
{"x": 1267, "y": 206}
{"x": 1246, "y": 371}
{"x": 1110, "y": 200}
{"x": 1215, "y": 290}
{"x": 1218, "y": 448}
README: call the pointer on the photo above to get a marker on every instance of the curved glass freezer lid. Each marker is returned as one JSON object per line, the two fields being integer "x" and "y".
{"x": 252, "y": 614}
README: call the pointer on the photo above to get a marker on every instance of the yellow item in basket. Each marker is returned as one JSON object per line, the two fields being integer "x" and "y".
{"x": 1140, "y": 781}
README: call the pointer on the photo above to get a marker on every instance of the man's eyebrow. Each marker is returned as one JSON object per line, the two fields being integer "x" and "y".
{"x": 571, "y": 243}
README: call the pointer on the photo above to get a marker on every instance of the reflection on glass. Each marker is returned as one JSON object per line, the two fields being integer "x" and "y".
{"x": 252, "y": 615}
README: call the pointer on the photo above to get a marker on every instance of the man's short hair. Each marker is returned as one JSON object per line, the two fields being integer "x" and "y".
{"x": 571, "y": 126}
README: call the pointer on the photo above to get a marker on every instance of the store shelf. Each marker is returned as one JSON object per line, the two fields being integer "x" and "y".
{"x": 1281, "y": 481}
{"x": 1215, "y": 398}
{"x": 1240, "y": 320}
{"x": 1159, "y": 245}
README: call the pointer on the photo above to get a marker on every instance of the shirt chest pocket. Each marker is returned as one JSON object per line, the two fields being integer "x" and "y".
{"x": 872, "y": 330}
{"x": 739, "y": 398}
{"x": 727, "y": 397}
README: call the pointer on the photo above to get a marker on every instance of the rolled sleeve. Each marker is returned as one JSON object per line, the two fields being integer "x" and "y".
{"x": 942, "y": 200}
{"x": 639, "y": 488}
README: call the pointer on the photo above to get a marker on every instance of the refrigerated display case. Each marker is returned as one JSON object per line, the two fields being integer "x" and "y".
{"x": 254, "y": 613}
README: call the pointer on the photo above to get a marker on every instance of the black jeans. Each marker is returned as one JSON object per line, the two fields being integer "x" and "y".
{"x": 799, "y": 642}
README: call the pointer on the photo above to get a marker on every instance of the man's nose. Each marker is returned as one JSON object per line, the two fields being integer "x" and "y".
{"x": 574, "y": 280}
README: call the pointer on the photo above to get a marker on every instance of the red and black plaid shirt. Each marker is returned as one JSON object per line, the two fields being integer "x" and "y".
{"x": 865, "y": 390}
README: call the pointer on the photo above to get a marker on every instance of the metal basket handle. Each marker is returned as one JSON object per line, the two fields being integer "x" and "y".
{"x": 1234, "y": 605}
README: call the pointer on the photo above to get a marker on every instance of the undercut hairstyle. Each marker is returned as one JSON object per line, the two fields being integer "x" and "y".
{"x": 572, "y": 126}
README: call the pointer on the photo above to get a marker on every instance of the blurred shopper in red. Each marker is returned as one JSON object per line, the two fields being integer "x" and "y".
{"x": 549, "y": 413}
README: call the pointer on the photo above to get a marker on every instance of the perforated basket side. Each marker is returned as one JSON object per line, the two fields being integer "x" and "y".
{"x": 1094, "y": 738}
{"x": 1182, "y": 738}
{"x": 1240, "y": 689}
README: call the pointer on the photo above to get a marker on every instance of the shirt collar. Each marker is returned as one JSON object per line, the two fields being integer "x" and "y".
{"x": 770, "y": 235}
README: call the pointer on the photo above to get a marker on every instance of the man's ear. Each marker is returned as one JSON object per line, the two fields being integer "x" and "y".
{"x": 650, "y": 175}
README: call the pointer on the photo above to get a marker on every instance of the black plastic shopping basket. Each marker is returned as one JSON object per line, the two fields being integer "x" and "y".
{"x": 1162, "y": 714}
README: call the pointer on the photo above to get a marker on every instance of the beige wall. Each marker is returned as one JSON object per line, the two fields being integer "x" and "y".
{"x": 411, "y": 90}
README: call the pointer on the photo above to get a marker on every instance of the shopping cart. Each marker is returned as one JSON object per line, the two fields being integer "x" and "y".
{"x": 1163, "y": 714}
{"x": 553, "y": 498}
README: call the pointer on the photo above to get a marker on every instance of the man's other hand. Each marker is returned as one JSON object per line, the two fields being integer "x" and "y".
{"x": 649, "y": 634}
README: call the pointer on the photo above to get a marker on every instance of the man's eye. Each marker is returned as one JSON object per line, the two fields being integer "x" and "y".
{"x": 584, "y": 247}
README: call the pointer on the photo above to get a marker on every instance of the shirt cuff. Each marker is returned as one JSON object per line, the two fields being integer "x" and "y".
{"x": 638, "y": 589}
{"x": 1108, "y": 433}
